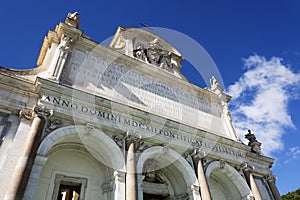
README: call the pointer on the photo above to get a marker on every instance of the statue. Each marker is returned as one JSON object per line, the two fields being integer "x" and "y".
{"x": 73, "y": 19}
{"x": 165, "y": 61}
{"x": 139, "y": 52}
{"x": 253, "y": 143}
{"x": 65, "y": 43}
{"x": 215, "y": 86}
{"x": 153, "y": 55}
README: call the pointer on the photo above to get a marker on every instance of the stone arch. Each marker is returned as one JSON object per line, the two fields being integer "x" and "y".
{"x": 229, "y": 178}
{"x": 94, "y": 140}
{"x": 88, "y": 144}
{"x": 167, "y": 157}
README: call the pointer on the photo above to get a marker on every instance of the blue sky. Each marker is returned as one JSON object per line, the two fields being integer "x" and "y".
{"x": 255, "y": 45}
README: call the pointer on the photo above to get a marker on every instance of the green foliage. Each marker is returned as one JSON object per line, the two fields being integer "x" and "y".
{"x": 294, "y": 195}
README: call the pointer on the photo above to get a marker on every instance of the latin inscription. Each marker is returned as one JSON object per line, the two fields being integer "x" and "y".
{"x": 105, "y": 115}
{"x": 106, "y": 76}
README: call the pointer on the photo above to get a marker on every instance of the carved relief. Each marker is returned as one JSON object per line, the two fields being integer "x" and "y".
{"x": 188, "y": 158}
{"x": 140, "y": 52}
{"x": 150, "y": 171}
{"x": 119, "y": 140}
{"x": 142, "y": 146}
{"x": 152, "y": 53}
{"x": 53, "y": 124}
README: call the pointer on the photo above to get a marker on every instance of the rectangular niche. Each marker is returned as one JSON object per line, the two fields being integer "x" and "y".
{"x": 69, "y": 188}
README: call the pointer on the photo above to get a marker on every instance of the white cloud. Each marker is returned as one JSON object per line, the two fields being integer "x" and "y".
{"x": 260, "y": 100}
{"x": 294, "y": 152}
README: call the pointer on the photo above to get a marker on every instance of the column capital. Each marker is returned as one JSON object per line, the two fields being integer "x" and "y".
{"x": 26, "y": 113}
{"x": 132, "y": 137}
{"x": 247, "y": 166}
{"x": 198, "y": 153}
{"x": 38, "y": 110}
{"x": 271, "y": 178}
{"x": 41, "y": 110}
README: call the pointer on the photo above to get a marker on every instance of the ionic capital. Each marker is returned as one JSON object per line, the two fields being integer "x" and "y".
{"x": 247, "y": 166}
{"x": 271, "y": 178}
{"x": 198, "y": 153}
{"x": 42, "y": 111}
{"x": 38, "y": 110}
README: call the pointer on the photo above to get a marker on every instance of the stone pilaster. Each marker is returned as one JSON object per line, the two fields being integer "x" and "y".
{"x": 271, "y": 181}
{"x": 33, "y": 182}
{"x": 119, "y": 185}
{"x": 140, "y": 178}
{"x": 193, "y": 192}
{"x": 21, "y": 174}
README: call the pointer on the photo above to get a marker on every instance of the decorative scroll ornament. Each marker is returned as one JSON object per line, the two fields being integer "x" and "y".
{"x": 27, "y": 114}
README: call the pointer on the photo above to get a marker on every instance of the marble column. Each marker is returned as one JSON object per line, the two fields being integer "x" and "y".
{"x": 22, "y": 172}
{"x": 271, "y": 181}
{"x": 252, "y": 184}
{"x": 131, "y": 182}
{"x": 204, "y": 190}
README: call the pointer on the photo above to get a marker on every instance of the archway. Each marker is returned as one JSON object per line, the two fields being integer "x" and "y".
{"x": 163, "y": 174}
{"x": 79, "y": 158}
{"x": 225, "y": 183}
